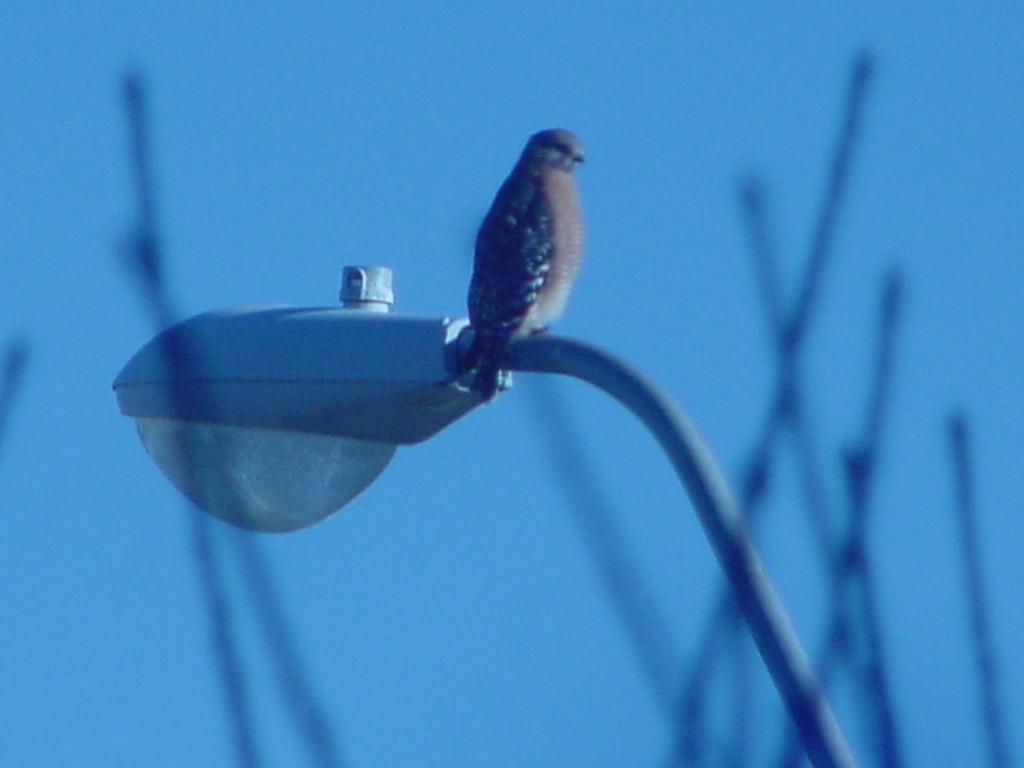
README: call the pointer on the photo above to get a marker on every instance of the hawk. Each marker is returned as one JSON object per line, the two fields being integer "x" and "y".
{"x": 528, "y": 250}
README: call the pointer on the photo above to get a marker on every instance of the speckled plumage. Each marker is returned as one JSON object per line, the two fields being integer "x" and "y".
{"x": 528, "y": 250}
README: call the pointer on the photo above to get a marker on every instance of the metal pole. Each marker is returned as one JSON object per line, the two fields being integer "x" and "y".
{"x": 722, "y": 522}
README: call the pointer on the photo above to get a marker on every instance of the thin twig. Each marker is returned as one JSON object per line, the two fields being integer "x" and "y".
{"x": 753, "y": 209}
{"x": 15, "y": 363}
{"x": 225, "y": 643}
{"x": 143, "y": 257}
{"x": 862, "y": 462}
{"x": 629, "y": 595}
{"x": 852, "y": 586}
{"x": 785, "y": 410}
{"x": 310, "y": 719}
{"x": 978, "y": 603}
{"x": 832, "y": 203}
{"x": 308, "y": 714}
{"x": 738, "y": 749}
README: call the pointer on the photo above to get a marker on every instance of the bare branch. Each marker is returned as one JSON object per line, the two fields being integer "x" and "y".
{"x": 978, "y": 603}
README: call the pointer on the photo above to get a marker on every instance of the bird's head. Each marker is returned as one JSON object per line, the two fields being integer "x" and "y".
{"x": 556, "y": 148}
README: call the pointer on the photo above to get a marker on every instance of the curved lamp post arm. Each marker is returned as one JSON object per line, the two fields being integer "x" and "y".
{"x": 721, "y": 520}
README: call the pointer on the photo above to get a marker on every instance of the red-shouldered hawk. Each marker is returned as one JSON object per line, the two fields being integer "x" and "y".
{"x": 527, "y": 252}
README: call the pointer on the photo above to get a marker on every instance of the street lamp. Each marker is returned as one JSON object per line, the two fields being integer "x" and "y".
{"x": 272, "y": 419}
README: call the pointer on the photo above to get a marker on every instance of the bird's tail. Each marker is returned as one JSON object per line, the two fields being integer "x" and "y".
{"x": 486, "y": 379}
{"x": 483, "y": 359}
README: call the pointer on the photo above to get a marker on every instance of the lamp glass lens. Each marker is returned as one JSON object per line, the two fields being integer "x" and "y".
{"x": 263, "y": 479}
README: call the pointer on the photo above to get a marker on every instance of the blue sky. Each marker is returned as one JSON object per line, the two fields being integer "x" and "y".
{"x": 451, "y": 615}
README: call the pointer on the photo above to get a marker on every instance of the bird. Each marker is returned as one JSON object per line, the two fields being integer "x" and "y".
{"x": 527, "y": 253}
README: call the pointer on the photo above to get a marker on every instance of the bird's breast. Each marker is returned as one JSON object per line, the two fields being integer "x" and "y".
{"x": 566, "y": 232}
